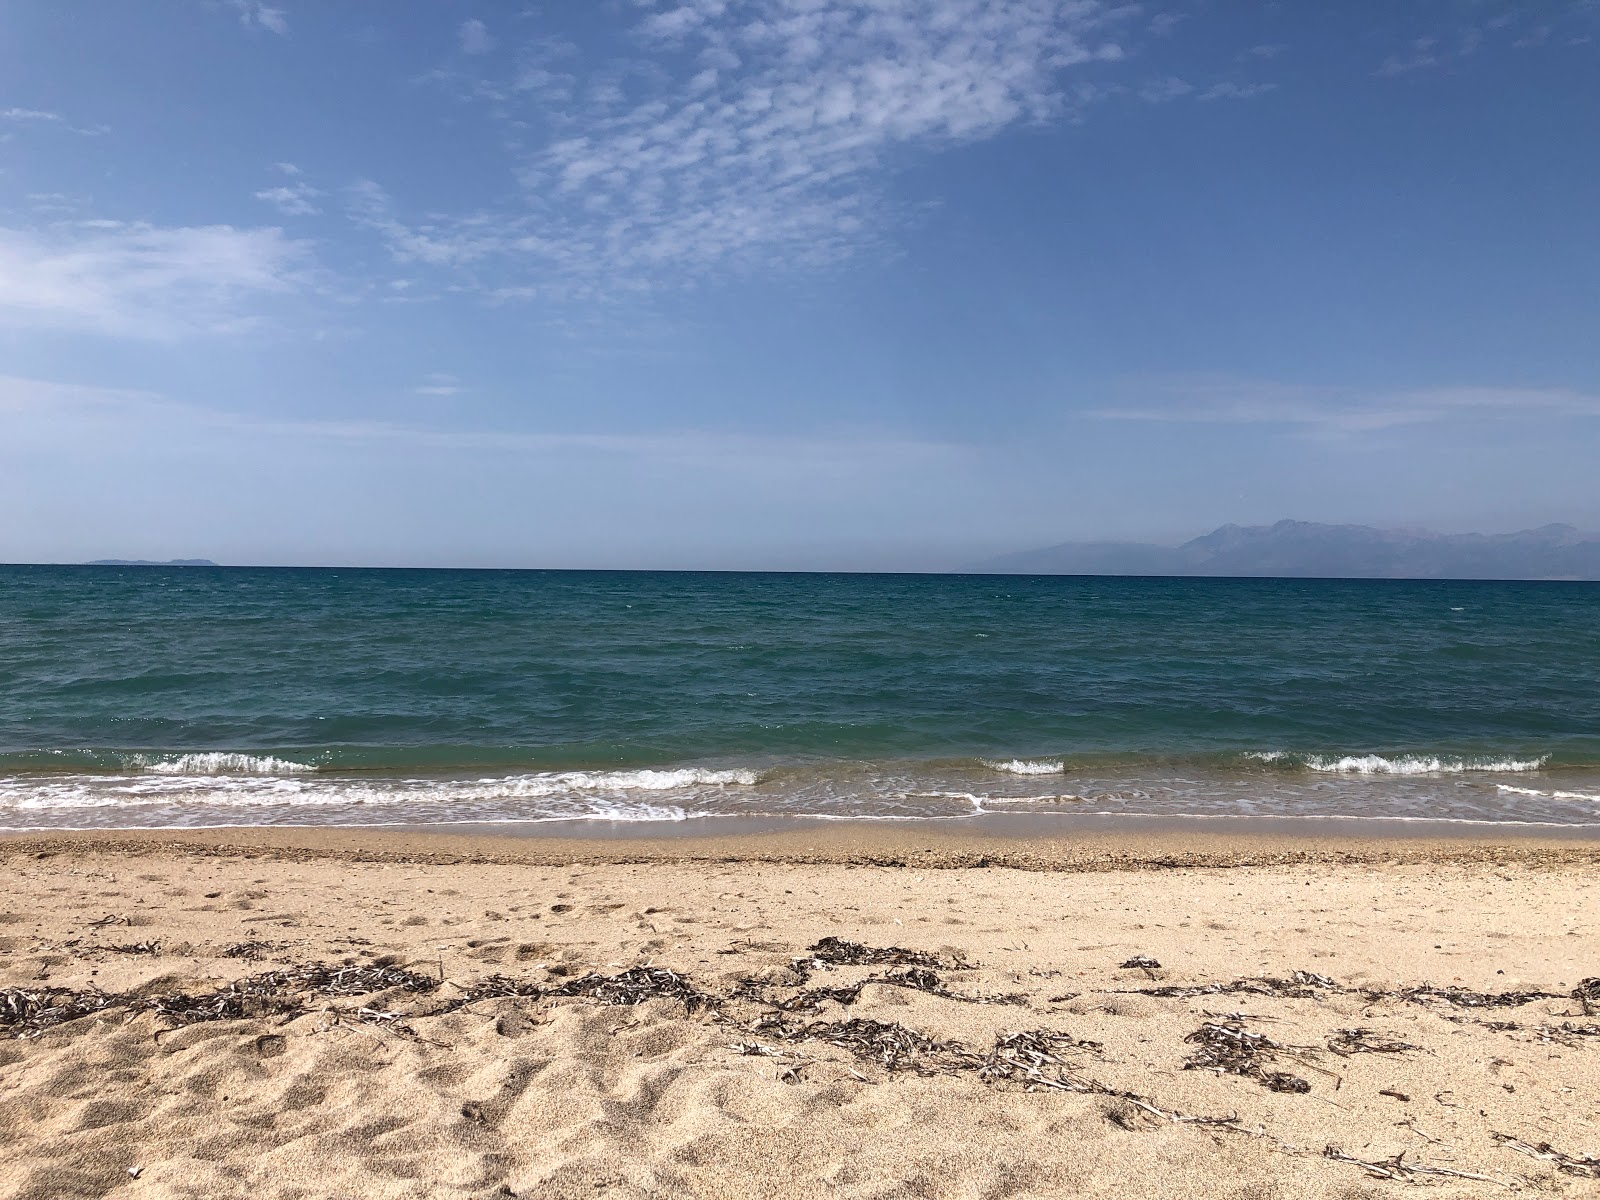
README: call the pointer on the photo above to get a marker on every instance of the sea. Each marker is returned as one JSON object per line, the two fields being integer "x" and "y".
{"x": 150, "y": 697}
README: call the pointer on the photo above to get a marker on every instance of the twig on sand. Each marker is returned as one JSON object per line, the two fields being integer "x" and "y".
{"x": 1397, "y": 1168}
{"x": 1567, "y": 1164}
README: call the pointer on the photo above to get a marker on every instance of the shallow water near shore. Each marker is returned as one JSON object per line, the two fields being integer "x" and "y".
{"x": 155, "y": 698}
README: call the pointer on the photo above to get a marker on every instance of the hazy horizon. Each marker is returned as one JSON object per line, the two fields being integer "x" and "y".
{"x": 782, "y": 285}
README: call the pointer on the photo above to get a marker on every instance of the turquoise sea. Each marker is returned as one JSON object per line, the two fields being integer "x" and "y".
{"x": 149, "y": 697}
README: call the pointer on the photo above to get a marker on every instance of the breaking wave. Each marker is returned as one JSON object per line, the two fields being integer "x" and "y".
{"x": 1027, "y": 766}
{"x": 1400, "y": 764}
{"x": 220, "y": 763}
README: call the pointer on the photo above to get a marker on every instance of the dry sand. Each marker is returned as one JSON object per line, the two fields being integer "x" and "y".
{"x": 564, "y": 1095}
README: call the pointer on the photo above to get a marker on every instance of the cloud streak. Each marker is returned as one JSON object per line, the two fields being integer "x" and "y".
{"x": 1340, "y": 411}
{"x": 144, "y": 281}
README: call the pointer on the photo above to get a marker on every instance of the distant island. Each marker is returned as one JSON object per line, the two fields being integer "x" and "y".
{"x": 145, "y": 562}
{"x": 1304, "y": 549}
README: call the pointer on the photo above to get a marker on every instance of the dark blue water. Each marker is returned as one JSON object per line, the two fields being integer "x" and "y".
{"x": 156, "y": 696}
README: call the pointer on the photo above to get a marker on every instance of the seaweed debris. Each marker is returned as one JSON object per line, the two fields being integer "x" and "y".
{"x": 274, "y": 993}
{"x": 1587, "y": 993}
{"x": 635, "y": 986}
{"x": 837, "y": 952}
{"x": 271, "y": 993}
{"x": 1034, "y": 1058}
{"x": 1346, "y": 1042}
{"x": 1567, "y": 1164}
{"x": 27, "y": 1014}
{"x": 1299, "y": 985}
{"x": 1459, "y": 997}
{"x": 254, "y": 951}
{"x": 888, "y": 1043}
{"x": 1231, "y": 1049}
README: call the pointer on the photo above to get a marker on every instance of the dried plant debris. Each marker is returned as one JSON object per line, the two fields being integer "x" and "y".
{"x": 635, "y": 986}
{"x": 1397, "y": 1168}
{"x": 1036, "y": 1059}
{"x": 1233, "y": 1050}
{"x": 272, "y": 993}
{"x": 26, "y": 1013}
{"x": 150, "y": 947}
{"x": 254, "y": 951}
{"x": 1587, "y": 994}
{"x": 1568, "y": 1164}
{"x": 1310, "y": 985}
{"x": 1299, "y": 985}
{"x": 921, "y": 979}
{"x": 1346, "y": 1042}
{"x": 1459, "y": 997}
{"x": 837, "y": 952}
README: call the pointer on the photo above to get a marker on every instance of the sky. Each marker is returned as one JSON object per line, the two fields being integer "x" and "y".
{"x": 788, "y": 284}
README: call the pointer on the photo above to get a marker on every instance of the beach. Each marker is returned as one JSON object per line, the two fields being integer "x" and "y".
{"x": 851, "y": 1010}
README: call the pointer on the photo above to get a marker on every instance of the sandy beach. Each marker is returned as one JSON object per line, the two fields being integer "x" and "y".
{"x": 861, "y": 1012}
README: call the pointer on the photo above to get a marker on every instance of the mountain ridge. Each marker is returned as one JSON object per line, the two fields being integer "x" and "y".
{"x": 1308, "y": 549}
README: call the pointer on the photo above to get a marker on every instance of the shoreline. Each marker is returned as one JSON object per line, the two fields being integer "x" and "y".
{"x": 1022, "y": 842}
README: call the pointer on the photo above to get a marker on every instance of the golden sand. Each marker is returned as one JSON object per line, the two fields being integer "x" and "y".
{"x": 791, "y": 1080}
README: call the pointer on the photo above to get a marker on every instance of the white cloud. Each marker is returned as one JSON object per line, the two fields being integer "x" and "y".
{"x": 749, "y": 135}
{"x": 143, "y": 281}
{"x": 474, "y": 37}
{"x": 29, "y": 114}
{"x": 1228, "y": 90}
{"x": 293, "y": 200}
{"x": 440, "y": 384}
{"x": 253, "y": 14}
{"x": 1337, "y": 410}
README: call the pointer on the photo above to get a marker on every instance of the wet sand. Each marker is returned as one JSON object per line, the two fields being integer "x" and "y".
{"x": 663, "y": 1016}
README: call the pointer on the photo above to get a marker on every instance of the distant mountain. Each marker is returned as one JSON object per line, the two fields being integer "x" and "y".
{"x": 1307, "y": 550}
{"x": 145, "y": 562}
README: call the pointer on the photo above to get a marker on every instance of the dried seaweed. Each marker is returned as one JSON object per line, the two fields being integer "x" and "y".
{"x": 837, "y": 952}
{"x": 1346, "y": 1042}
{"x": 1035, "y": 1059}
{"x": 1398, "y": 1169}
{"x": 1459, "y": 997}
{"x": 1567, "y": 1164}
{"x": 635, "y": 986}
{"x": 1231, "y": 1049}
{"x": 254, "y": 951}
{"x": 150, "y": 947}
{"x": 1300, "y": 985}
{"x": 1587, "y": 993}
{"x": 27, "y": 1014}
{"x": 888, "y": 1043}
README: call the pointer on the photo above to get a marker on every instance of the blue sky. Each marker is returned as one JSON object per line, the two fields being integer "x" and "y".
{"x": 788, "y": 283}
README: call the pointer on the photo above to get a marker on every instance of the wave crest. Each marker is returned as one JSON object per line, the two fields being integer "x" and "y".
{"x": 1027, "y": 766}
{"x": 221, "y": 763}
{"x": 1406, "y": 764}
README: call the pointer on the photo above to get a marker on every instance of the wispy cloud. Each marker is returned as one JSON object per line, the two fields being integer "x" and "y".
{"x": 292, "y": 199}
{"x": 143, "y": 281}
{"x": 750, "y": 135}
{"x": 253, "y": 14}
{"x": 440, "y": 384}
{"x": 1490, "y": 25}
{"x": 474, "y": 37}
{"x": 1336, "y": 410}
{"x": 67, "y": 413}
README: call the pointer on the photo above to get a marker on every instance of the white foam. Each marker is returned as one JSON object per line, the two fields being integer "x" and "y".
{"x": 591, "y": 790}
{"x": 1376, "y": 764}
{"x": 1027, "y": 766}
{"x": 220, "y": 763}
{"x": 1520, "y": 791}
